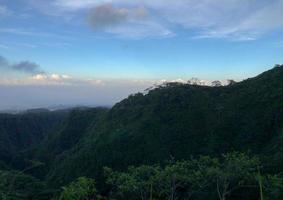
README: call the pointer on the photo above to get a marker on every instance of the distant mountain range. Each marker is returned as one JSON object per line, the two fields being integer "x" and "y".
{"x": 43, "y": 109}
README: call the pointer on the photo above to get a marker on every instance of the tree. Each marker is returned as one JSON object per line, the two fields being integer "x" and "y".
{"x": 237, "y": 172}
{"x": 231, "y": 82}
{"x": 216, "y": 83}
{"x": 81, "y": 189}
{"x": 202, "y": 178}
{"x": 136, "y": 183}
{"x": 185, "y": 179}
{"x": 273, "y": 187}
{"x": 194, "y": 81}
{"x": 15, "y": 185}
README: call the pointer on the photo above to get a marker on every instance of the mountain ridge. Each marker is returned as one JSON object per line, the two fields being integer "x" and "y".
{"x": 179, "y": 120}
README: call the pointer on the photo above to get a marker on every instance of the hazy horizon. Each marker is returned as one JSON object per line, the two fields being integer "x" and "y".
{"x": 105, "y": 94}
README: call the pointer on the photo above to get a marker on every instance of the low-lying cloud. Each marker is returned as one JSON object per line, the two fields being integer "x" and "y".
{"x": 26, "y": 67}
{"x": 51, "y": 90}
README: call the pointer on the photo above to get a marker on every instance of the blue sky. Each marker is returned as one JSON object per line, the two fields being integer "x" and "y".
{"x": 133, "y": 44}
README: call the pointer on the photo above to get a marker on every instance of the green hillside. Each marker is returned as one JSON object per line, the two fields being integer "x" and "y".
{"x": 203, "y": 138}
{"x": 178, "y": 121}
{"x": 20, "y": 132}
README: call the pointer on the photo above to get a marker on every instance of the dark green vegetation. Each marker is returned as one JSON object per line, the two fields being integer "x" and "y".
{"x": 22, "y": 132}
{"x": 232, "y": 176}
{"x": 181, "y": 140}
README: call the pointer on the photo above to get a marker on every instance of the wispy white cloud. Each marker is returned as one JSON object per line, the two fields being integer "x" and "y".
{"x": 236, "y": 20}
{"x": 78, "y": 4}
{"x": 4, "y": 11}
{"x": 2, "y": 46}
{"x": 31, "y": 45}
{"x": 141, "y": 30}
{"x": 56, "y": 44}
{"x": 16, "y": 45}
{"x": 33, "y": 33}
{"x": 26, "y": 45}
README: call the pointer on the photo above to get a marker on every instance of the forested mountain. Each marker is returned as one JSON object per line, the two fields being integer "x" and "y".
{"x": 178, "y": 121}
{"x": 173, "y": 122}
{"x": 71, "y": 131}
{"x": 19, "y": 132}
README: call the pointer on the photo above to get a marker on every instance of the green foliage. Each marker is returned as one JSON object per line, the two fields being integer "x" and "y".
{"x": 15, "y": 185}
{"x": 273, "y": 187}
{"x": 237, "y": 172}
{"x": 136, "y": 183}
{"x": 24, "y": 131}
{"x": 81, "y": 189}
{"x": 185, "y": 179}
{"x": 70, "y": 133}
{"x": 203, "y": 178}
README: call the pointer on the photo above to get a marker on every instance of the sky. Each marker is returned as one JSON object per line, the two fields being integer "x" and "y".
{"x": 97, "y": 52}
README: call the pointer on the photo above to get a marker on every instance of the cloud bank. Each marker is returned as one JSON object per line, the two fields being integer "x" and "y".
{"x": 51, "y": 90}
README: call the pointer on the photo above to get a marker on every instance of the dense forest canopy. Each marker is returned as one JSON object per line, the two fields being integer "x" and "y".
{"x": 222, "y": 142}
